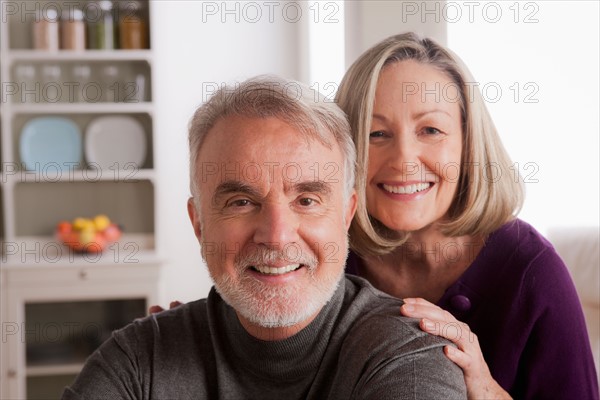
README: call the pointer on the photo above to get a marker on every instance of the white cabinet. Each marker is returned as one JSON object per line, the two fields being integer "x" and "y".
{"x": 57, "y": 306}
{"x": 54, "y": 317}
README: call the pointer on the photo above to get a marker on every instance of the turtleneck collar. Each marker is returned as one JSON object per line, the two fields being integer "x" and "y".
{"x": 289, "y": 360}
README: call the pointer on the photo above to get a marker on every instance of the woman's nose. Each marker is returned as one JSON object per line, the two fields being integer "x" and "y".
{"x": 404, "y": 155}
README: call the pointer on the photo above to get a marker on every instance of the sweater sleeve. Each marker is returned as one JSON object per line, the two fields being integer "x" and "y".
{"x": 556, "y": 362}
{"x": 402, "y": 362}
{"x": 426, "y": 374}
{"x": 109, "y": 373}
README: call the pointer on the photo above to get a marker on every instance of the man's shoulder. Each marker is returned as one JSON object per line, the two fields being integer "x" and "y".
{"x": 168, "y": 326}
{"x": 386, "y": 355}
{"x": 379, "y": 324}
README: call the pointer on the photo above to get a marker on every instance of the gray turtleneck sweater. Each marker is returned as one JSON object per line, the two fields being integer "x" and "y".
{"x": 358, "y": 347}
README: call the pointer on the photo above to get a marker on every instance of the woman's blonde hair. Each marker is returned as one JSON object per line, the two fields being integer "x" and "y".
{"x": 489, "y": 194}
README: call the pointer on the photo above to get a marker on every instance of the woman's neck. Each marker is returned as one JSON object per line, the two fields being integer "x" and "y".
{"x": 425, "y": 266}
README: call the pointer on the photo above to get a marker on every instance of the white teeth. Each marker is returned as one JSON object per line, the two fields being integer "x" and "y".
{"x": 407, "y": 189}
{"x": 276, "y": 271}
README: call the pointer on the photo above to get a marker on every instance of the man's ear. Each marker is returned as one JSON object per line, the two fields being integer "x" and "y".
{"x": 194, "y": 217}
{"x": 351, "y": 208}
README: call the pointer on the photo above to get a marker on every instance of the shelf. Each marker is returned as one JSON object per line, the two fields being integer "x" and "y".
{"x": 88, "y": 55}
{"x": 46, "y": 252}
{"x": 48, "y": 370}
{"x": 83, "y": 108}
{"x": 87, "y": 175}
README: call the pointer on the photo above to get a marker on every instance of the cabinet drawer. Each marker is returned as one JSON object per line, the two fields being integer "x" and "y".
{"x": 77, "y": 275}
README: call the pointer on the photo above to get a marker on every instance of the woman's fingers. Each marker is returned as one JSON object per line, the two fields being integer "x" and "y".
{"x": 455, "y": 331}
{"x": 174, "y": 304}
{"x": 156, "y": 308}
{"x": 459, "y": 357}
{"x": 467, "y": 353}
{"x": 421, "y": 308}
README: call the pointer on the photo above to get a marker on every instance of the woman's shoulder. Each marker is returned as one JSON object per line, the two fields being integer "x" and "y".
{"x": 518, "y": 233}
{"x": 516, "y": 256}
{"x": 520, "y": 243}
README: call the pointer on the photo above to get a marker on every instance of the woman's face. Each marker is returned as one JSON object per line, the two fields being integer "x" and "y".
{"x": 415, "y": 146}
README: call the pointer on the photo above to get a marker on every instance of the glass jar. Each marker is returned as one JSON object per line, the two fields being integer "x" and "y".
{"x": 72, "y": 30}
{"x": 29, "y": 87}
{"x": 133, "y": 28}
{"x": 111, "y": 84}
{"x": 45, "y": 30}
{"x": 81, "y": 75}
{"x": 101, "y": 25}
{"x": 134, "y": 84}
{"x": 51, "y": 83}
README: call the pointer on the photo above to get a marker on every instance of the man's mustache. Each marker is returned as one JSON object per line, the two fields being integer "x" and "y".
{"x": 260, "y": 255}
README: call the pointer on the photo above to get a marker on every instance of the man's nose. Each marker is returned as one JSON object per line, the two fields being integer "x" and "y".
{"x": 277, "y": 226}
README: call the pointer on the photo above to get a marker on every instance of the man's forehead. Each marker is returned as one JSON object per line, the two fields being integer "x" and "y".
{"x": 286, "y": 173}
{"x": 262, "y": 151}
{"x": 251, "y": 132}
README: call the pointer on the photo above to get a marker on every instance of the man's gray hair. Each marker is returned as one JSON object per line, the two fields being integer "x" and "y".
{"x": 308, "y": 111}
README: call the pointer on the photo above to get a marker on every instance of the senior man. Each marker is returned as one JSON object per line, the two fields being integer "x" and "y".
{"x": 272, "y": 174}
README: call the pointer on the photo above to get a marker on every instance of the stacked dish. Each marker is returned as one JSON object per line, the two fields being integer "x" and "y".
{"x": 115, "y": 142}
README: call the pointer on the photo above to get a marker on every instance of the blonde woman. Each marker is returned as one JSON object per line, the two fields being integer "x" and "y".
{"x": 436, "y": 226}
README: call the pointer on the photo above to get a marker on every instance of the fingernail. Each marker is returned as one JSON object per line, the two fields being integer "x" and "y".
{"x": 408, "y": 307}
{"x": 450, "y": 349}
{"x": 409, "y": 300}
{"x": 429, "y": 325}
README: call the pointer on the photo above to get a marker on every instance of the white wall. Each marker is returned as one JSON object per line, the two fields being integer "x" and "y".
{"x": 370, "y": 21}
{"x": 192, "y": 53}
{"x": 549, "y": 51}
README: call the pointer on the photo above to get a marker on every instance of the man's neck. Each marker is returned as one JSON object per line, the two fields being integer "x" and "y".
{"x": 271, "y": 334}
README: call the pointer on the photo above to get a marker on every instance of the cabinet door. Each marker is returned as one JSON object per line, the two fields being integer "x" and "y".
{"x": 51, "y": 330}
{"x": 59, "y": 336}
{"x": 3, "y": 347}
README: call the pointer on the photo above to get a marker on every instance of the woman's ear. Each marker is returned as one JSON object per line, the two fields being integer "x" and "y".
{"x": 194, "y": 217}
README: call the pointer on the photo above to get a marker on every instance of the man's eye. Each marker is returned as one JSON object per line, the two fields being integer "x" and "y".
{"x": 239, "y": 203}
{"x": 307, "y": 201}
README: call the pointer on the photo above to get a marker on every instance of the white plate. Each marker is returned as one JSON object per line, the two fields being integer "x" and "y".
{"x": 115, "y": 142}
{"x": 50, "y": 142}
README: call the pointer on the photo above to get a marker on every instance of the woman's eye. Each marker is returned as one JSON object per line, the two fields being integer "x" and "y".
{"x": 431, "y": 131}
{"x": 376, "y": 134}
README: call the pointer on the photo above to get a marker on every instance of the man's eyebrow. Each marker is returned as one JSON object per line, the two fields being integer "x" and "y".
{"x": 313, "y": 186}
{"x": 232, "y": 186}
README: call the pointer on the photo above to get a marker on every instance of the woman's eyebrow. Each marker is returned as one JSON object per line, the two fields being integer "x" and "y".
{"x": 432, "y": 111}
{"x": 417, "y": 115}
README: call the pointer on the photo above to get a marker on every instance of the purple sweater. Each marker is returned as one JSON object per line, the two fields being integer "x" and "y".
{"x": 518, "y": 298}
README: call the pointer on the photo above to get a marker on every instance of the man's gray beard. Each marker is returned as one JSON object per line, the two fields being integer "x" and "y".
{"x": 281, "y": 306}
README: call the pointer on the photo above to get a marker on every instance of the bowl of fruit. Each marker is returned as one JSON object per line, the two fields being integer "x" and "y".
{"x": 88, "y": 235}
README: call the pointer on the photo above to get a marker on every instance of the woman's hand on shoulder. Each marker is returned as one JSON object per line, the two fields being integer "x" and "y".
{"x": 156, "y": 308}
{"x": 467, "y": 353}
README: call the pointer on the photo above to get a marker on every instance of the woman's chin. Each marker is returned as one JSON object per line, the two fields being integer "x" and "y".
{"x": 398, "y": 228}
{"x": 394, "y": 229}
